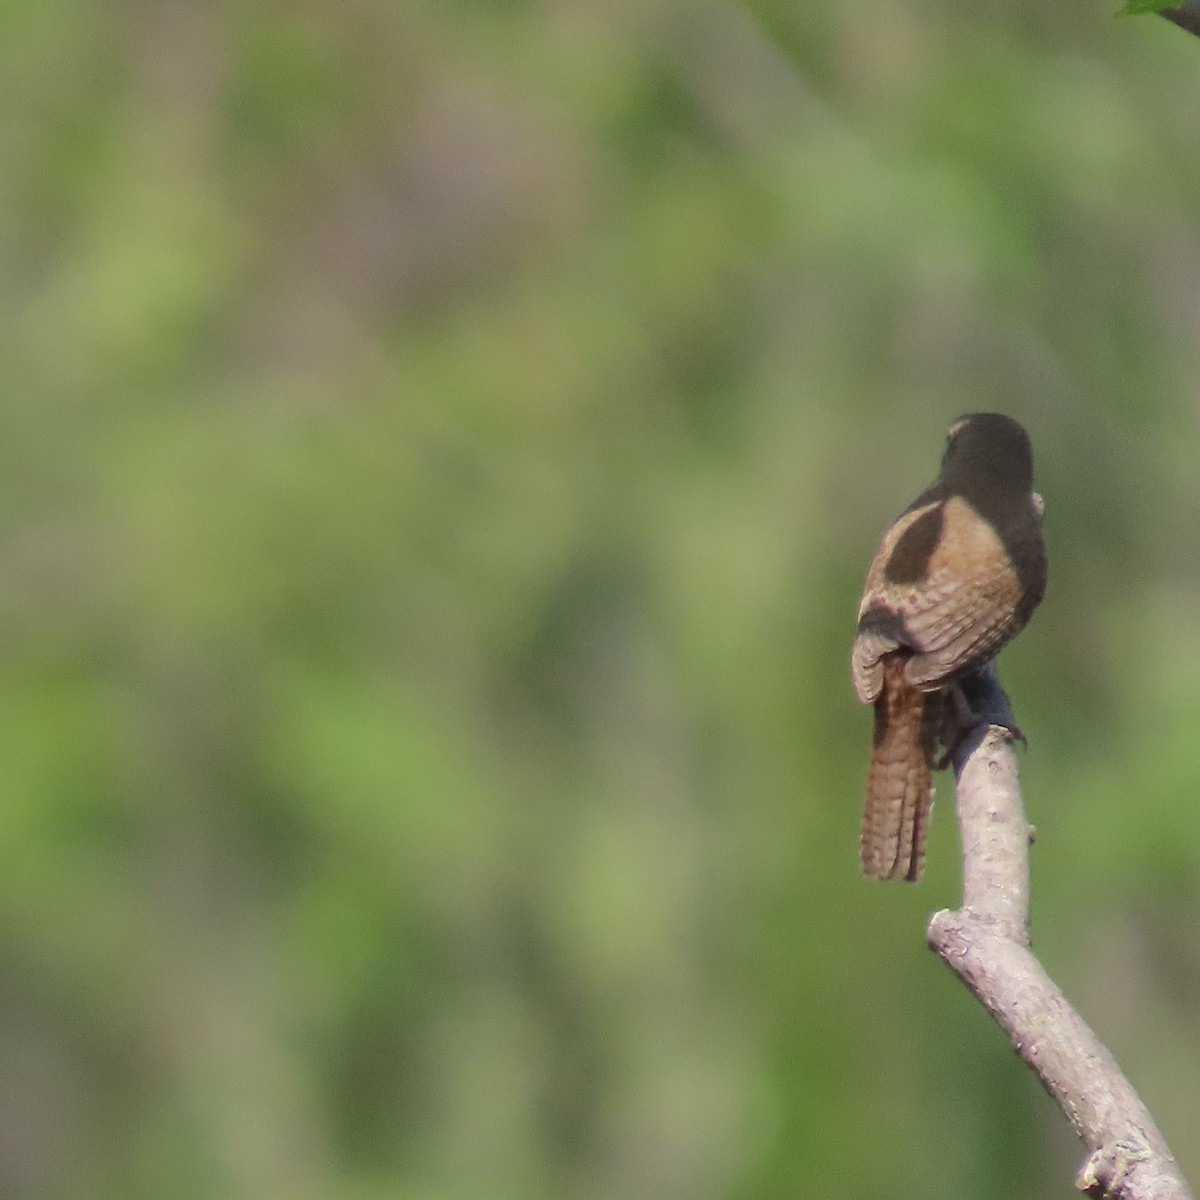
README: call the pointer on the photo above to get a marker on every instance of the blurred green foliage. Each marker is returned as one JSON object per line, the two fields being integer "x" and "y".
{"x": 442, "y": 444}
{"x": 1133, "y": 7}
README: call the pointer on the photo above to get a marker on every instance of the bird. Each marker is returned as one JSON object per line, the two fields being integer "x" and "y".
{"x": 956, "y": 576}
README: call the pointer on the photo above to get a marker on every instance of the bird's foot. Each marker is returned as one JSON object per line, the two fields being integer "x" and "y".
{"x": 962, "y": 718}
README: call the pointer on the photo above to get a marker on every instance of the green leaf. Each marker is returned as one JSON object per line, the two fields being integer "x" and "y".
{"x": 1133, "y": 7}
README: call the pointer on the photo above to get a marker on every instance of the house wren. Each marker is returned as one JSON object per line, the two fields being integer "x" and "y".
{"x": 956, "y": 575}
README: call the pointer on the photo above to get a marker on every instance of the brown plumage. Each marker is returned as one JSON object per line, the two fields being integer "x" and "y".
{"x": 956, "y": 575}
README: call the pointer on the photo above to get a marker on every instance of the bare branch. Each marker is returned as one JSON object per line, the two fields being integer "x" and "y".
{"x": 986, "y": 943}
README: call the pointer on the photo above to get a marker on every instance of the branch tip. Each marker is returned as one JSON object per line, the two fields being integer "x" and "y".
{"x": 986, "y": 943}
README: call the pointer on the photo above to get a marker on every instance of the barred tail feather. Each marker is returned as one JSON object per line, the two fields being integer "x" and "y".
{"x": 899, "y": 792}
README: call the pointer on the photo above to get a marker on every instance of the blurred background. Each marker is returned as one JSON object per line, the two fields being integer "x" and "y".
{"x": 442, "y": 444}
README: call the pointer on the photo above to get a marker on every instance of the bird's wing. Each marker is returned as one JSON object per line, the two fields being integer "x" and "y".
{"x": 959, "y": 611}
{"x": 954, "y": 621}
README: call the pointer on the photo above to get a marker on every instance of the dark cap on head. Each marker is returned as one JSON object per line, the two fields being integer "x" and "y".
{"x": 989, "y": 443}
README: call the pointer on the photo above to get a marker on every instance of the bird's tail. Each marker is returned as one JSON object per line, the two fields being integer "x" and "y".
{"x": 899, "y": 793}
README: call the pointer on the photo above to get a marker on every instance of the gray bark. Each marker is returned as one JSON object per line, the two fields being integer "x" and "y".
{"x": 986, "y": 943}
